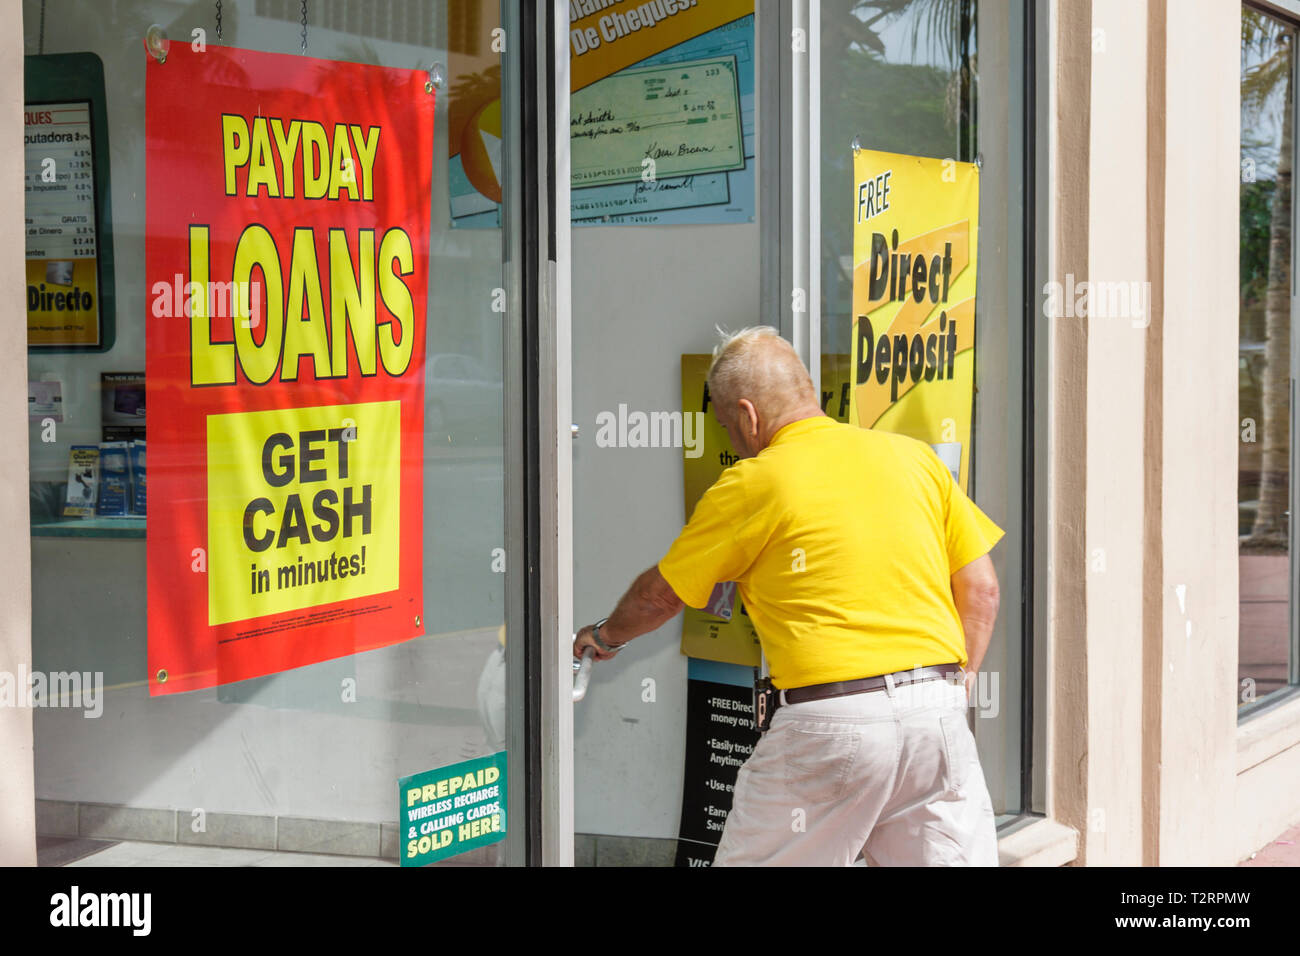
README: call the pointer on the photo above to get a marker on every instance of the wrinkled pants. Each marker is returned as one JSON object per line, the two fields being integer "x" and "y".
{"x": 892, "y": 775}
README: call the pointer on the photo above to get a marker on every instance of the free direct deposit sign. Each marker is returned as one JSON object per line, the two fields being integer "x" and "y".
{"x": 287, "y": 252}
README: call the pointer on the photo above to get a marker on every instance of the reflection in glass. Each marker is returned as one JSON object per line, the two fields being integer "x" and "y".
{"x": 1264, "y": 354}
{"x": 900, "y": 76}
{"x": 905, "y": 76}
{"x": 315, "y": 751}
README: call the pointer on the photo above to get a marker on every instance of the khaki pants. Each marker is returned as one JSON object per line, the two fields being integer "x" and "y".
{"x": 892, "y": 774}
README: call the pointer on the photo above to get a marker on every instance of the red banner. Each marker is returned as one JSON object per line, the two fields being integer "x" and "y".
{"x": 287, "y": 250}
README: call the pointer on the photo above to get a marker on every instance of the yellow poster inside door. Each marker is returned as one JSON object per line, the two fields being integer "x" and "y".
{"x": 722, "y": 630}
{"x": 915, "y": 237}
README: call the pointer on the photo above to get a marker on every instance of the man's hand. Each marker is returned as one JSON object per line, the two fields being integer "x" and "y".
{"x": 583, "y": 640}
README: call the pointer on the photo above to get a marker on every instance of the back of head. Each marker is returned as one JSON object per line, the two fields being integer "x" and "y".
{"x": 759, "y": 365}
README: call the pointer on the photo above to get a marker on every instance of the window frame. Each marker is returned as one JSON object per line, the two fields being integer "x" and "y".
{"x": 1287, "y": 12}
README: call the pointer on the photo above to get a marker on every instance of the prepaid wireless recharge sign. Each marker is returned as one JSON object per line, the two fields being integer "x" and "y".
{"x": 287, "y": 268}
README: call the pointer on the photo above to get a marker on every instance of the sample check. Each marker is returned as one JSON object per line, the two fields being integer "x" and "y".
{"x": 684, "y": 116}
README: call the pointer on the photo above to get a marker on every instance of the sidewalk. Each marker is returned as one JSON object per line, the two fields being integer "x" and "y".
{"x": 1284, "y": 851}
{"x": 73, "y": 851}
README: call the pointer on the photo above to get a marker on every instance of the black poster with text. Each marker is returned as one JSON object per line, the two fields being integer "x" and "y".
{"x": 720, "y": 736}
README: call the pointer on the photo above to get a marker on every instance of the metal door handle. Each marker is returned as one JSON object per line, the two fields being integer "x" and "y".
{"x": 582, "y": 672}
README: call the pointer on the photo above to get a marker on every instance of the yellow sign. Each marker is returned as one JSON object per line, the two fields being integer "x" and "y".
{"x": 62, "y": 308}
{"x": 722, "y": 631}
{"x": 605, "y": 37}
{"x": 835, "y": 385}
{"x": 287, "y": 532}
{"x": 915, "y": 237}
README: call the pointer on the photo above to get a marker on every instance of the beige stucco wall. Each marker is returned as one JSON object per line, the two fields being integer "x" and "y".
{"x": 1147, "y": 758}
{"x": 1268, "y": 769}
{"x": 1147, "y": 761}
{"x": 1198, "y": 550}
{"x": 1116, "y": 408}
{"x": 17, "y": 797}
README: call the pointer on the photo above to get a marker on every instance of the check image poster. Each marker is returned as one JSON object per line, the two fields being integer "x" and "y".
{"x": 915, "y": 238}
{"x": 661, "y": 113}
{"x": 287, "y": 249}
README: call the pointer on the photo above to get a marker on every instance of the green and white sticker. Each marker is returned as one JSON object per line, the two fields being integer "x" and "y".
{"x": 452, "y": 809}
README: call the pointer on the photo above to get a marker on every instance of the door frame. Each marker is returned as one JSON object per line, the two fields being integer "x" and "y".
{"x": 538, "y": 453}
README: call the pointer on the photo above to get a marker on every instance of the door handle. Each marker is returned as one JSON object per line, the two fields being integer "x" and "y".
{"x": 582, "y": 673}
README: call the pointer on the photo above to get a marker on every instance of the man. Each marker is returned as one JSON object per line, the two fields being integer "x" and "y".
{"x": 865, "y": 570}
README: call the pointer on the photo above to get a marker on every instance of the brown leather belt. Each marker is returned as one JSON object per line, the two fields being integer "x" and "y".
{"x": 797, "y": 695}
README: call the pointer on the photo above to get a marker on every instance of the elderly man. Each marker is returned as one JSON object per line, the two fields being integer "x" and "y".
{"x": 865, "y": 570}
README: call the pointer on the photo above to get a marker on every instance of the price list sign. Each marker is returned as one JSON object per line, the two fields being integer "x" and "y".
{"x": 63, "y": 294}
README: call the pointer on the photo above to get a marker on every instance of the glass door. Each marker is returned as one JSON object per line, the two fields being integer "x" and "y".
{"x": 944, "y": 82}
{"x": 375, "y": 706}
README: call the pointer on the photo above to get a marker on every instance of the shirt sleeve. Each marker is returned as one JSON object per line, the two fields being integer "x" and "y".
{"x": 969, "y": 533}
{"x": 718, "y": 544}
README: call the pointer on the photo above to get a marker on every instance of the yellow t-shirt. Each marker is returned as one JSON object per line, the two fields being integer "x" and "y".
{"x": 844, "y": 542}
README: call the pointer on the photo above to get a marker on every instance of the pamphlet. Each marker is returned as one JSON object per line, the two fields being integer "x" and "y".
{"x": 136, "y": 454}
{"x": 45, "y": 400}
{"x": 83, "y": 481}
{"x": 121, "y": 405}
{"x": 114, "y": 479}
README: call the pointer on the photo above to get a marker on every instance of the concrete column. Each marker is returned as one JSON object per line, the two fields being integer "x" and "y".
{"x": 17, "y": 794}
{"x": 1143, "y": 645}
{"x": 1198, "y": 394}
{"x": 1116, "y": 408}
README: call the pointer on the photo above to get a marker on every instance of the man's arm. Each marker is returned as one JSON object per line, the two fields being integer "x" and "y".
{"x": 648, "y": 604}
{"x": 975, "y": 592}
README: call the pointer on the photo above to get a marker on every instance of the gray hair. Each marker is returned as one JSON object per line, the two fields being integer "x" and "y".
{"x": 757, "y": 364}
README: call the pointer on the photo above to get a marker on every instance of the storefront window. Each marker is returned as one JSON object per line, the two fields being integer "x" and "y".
{"x": 944, "y": 81}
{"x": 300, "y": 747}
{"x": 1265, "y": 361}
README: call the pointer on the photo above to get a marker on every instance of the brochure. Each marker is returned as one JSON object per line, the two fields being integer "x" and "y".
{"x": 136, "y": 452}
{"x": 114, "y": 479}
{"x": 83, "y": 481}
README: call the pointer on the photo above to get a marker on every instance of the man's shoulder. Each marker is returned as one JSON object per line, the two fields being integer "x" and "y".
{"x": 904, "y": 458}
{"x": 879, "y": 440}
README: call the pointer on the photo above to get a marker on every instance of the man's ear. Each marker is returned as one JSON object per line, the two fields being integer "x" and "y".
{"x": 748, "y": 417}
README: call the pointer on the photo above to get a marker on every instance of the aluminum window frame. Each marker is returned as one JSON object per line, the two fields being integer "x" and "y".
{"x": 1288, "y": 12}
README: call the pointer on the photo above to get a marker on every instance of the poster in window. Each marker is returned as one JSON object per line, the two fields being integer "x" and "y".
{"x": 287, "y": 257}
{"x": 63, "y": 294}
{"x": 915, "y": 244}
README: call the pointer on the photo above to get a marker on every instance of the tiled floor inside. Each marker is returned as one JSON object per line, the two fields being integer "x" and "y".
{"x": 58, "y": 851}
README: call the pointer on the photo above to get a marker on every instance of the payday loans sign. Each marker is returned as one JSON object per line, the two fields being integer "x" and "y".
{"x": 287, "y": 266}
